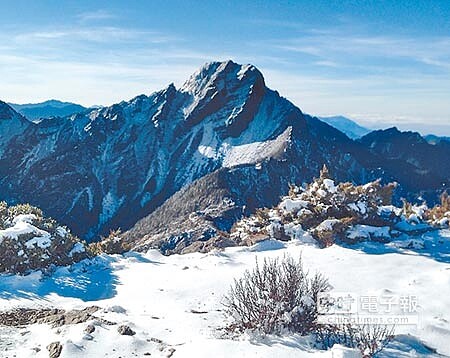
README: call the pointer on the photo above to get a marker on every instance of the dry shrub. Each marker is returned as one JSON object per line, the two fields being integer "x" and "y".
{"x": 441, "y": 210}
{"x": 274, "y": 297}
{"x": 327, "y": 238}
{"x": 263, "y": 217}
{"x": 407, "y": 209}
{"x": 112, "y": 244}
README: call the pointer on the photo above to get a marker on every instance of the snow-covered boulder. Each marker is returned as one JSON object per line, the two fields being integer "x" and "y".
{"x": 367, "y": 232}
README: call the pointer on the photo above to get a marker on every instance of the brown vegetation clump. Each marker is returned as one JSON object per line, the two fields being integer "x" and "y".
{"x": 440, "y": 214}
{"x": 346, "y": 212}
{"x": 112, "y": 244}
{"x": 30, "y": 241}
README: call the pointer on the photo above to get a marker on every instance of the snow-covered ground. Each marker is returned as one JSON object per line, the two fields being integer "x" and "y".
{"x": 174, "y": 303}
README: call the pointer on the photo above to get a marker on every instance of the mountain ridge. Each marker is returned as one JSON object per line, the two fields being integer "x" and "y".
{"x": 47, "y": 109}
{"x": 109, "y": 167}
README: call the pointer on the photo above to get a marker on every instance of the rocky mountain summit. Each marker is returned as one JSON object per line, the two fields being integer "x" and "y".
{"x": 108, "y": 168}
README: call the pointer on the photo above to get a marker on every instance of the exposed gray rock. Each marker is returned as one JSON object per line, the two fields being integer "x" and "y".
{"x": 170, "y": 352}
{"x": 90, "y": 328}
{"x": 54, "y": 317}
{"x": 125, "y": 330}
{"x": 54, "y": 349}
{"x": 219, "y": 242}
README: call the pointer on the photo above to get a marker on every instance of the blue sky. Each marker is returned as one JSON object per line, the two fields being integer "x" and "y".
{"x": 380, "y": 62}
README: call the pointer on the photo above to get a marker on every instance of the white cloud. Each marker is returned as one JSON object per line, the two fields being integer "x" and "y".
{"x": 100, "y": 34}
{"x": 432, "y": 50}
{"x": 97, "y": 15}
{"x": 338, "y": 74}
{"x": 91, "y": 65}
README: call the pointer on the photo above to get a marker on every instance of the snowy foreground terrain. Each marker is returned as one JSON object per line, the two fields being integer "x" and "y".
{"x": 173, "y": 303}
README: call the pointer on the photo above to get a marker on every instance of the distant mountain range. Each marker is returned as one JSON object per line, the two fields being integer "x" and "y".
{"x": 434, "y": 139}
{"x": 47, "y": 109}
{"x": 185, "y": 163}
{"x": 355, "y": 131}
{"x": 352, "y": 129}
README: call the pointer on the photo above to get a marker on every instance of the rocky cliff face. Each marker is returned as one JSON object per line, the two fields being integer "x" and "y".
{"x": 12, "y": 125}
{"x": 108, "y": 168}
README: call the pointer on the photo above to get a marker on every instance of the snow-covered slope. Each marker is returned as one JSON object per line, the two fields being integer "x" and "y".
{"x": 107, "y": 168}
{"x": 136, "y": 154}
{"x": 130, "y": 157}
{"x": 173, "y": 303}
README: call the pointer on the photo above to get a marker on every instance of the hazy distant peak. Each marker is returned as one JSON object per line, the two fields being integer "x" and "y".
{"x": 352, "y": 129}
{"x": 47, "y": 109}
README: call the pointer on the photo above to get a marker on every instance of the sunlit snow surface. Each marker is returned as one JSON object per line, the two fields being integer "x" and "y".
{"x": 177, "y": 299}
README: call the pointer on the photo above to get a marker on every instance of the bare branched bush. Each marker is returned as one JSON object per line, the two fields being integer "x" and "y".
{"x": 277, "y": 296}
{"x": 369, "y": 339}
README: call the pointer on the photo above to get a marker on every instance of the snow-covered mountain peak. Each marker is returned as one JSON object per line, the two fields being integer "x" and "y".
{"x": 218, "y": 75}
{"x": 106, "y": 162}
{"x": 227, "y": 93}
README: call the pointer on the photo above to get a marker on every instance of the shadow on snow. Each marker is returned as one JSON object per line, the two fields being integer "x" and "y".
{"x": 88, "y": 280}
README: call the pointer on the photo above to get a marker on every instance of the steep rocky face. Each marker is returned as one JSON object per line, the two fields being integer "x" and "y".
{"x": 210, "y": 206}
{"x": 12, "y": 124}
{"x": 202, "y": 213}
{"x": 107, "y": 168}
